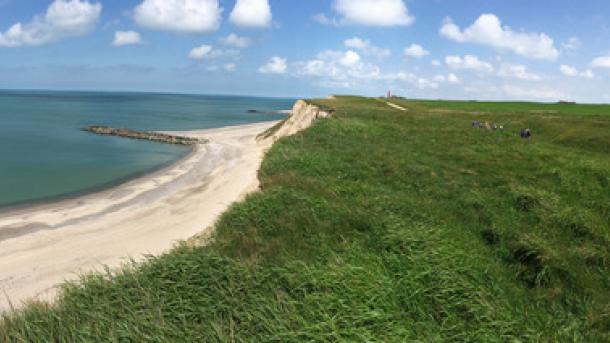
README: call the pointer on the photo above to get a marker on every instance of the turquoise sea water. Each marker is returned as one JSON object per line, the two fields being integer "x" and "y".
{"x": 44, "y": 154}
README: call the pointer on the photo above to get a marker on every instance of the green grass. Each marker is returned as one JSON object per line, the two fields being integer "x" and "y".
{"x": 383, "y": 225}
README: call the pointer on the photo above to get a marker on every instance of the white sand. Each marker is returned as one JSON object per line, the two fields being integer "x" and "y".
{"x": 41, "y": 247}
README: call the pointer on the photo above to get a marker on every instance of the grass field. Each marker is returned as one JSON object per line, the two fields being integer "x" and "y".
{"x": 384, "y": 225}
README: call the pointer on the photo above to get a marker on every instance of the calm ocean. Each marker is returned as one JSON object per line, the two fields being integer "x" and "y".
{"x": 44, "y": 154}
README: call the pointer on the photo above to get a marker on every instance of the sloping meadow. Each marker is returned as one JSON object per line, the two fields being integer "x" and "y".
{"x": 383, "y": 225}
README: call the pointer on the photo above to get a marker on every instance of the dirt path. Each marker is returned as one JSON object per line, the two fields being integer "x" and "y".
{"x": 398, "y": 107}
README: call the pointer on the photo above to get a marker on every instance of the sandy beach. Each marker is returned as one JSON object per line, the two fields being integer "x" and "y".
{"x": 42, "y": 246}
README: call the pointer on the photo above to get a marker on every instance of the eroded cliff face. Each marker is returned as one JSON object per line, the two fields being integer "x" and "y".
{"x": 303, "y": 116}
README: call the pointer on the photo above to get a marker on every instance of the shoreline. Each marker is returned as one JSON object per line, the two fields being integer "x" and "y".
{"x": 46, "y": 202}
{"x": 69, "y": 199}
{"x": 43, "y": 245}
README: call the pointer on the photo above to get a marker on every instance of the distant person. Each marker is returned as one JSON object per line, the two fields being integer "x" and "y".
{"x": 526, "y": 133}
{"x": 475, "y": 124}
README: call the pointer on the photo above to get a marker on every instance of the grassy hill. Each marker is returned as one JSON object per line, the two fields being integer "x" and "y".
{"x": 384, "y": 225}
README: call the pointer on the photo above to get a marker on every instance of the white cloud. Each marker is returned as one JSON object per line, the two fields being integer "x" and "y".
{"x": 63, "y": 19}
{"x": 235, "y": 41}
{"x": 452, "y": 78}
{"x": 356, "y": 43}
{"x": 573, "y": 72}
{"x": 337, "y": 66}
{"x": 122, "y": 38}
{"x": 435, "y": 63}
{"x": 200, "y": 52}
{"x": 366, "y": 47}
{"x": 568, "y": 70}
{"x": 350, "y": 59}
{"x": 208, "y": 52}
{"x": 369, "y": 13}
{"x": 423, "y": 83}
{"x": 468, "y": 62}
{"x": 183, "y": 16}
{"x": 416, "y": 50}
{"x": 315, "y": 67}
{"x": 251, "y": 13}
{"x": 346, "y": 69}
{"x": 488, "y": 30}
{"x": 518, "y": 72}
{"x": 601, "y": 62}
{"x": 573, "y": 43}
{"x": 276, "y": 65}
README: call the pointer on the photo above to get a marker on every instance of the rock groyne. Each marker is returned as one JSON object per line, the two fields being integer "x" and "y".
{"x": 144, "y": 135}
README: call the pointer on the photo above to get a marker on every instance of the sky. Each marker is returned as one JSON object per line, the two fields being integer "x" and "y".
{"x": 449, "y": 49}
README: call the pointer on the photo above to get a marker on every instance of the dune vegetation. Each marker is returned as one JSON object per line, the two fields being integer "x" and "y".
{"x": 383, "y": 225}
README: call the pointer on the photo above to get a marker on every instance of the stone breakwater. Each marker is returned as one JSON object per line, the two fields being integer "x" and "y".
{"x": 145, "y": 135}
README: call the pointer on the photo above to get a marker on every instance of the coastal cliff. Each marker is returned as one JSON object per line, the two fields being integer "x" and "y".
{"x": 145, "y": 135}
{"x": 303, "y": 115}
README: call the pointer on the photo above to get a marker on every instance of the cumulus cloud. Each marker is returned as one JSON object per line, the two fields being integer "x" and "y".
{"x": 416, "y": 50}
{"x": 183, "y": 16}
{"x": 208, "y": 52}
{"x": 251, "y": 13}
{"x": 63, "y": 19}
{"x": 601, "y": 62}
{"x": 357, "y": 43}
{"x": 200, "y": 52}
{"x": 450, "y": 78}
{"x": 573, "y": 72}
{"x": 122, "y": 38}
{"x": 468, "y": 62}
{"x": 337, "y": 67}
{"x": 488, "y": 30}
{"x": 369, "y": 13}
{"x": 435, "y": 63}
{"x": 423, "y": 83}
{"x": 366, "y": 47}
{"x": 518, "y": 72}
{"x": 276, "y": 65}
{"x": 347, "y": 69}
{"x": 235, "y": 41}
{"x": 350, "y": 59}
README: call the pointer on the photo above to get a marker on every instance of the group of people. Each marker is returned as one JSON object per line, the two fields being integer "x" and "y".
{"x": 487, "y": 125}
{"x": 525, "y": 133}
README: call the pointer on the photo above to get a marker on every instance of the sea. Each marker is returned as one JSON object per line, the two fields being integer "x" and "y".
{"x": 45, "y": 155}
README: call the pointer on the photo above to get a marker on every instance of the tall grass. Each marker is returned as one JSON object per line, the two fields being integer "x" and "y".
{"x": 382, "y": 225}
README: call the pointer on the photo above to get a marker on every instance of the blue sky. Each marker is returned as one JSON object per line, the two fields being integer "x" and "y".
{"x": 457, "y": 49}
